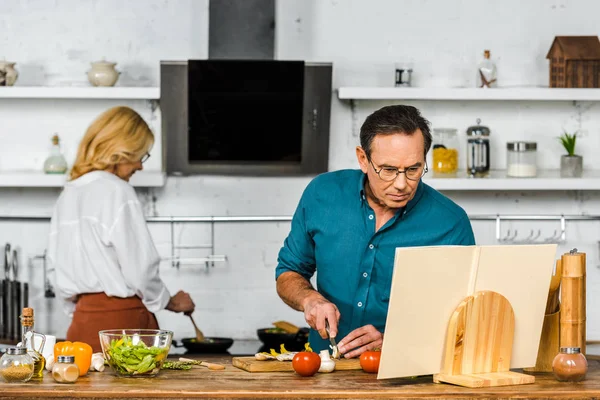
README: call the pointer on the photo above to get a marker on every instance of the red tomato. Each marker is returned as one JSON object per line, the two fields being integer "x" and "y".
{"x": 369, "y": 360}
{"x": 306, "y": 363}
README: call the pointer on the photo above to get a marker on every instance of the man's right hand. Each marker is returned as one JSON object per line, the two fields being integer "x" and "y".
{"x": 181, "y": 302}
{"x": 318, "y": 310}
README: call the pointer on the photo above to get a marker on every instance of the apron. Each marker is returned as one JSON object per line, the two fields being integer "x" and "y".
{"x": 97, "y": 311}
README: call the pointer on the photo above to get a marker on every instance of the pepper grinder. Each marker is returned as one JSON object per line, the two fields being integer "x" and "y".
{"x": 572, "y": 318}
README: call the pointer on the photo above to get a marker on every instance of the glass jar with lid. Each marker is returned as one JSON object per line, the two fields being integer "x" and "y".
{"x": 65, "y": 370}
{"x": 478, "y": 150}
{"x": 16, "y": 366}
{"x": 569, "y": 365}
{"x": 445, "y": 151}
{"x": 521, "y": 159}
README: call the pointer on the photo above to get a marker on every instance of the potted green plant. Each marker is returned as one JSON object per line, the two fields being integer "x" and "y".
{"x": 571, "y": 164}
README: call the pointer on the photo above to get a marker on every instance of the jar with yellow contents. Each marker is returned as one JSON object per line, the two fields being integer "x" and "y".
{"x": 445, "y": 151}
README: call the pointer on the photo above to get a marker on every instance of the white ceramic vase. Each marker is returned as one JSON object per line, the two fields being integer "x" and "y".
{"x": 103, "y": 73}
{"x": 8, "y": 73}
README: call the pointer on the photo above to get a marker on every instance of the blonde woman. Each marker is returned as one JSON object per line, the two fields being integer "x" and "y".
{"x": 105, "y": 260}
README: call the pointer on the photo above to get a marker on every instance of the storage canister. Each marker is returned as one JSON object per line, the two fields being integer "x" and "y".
{"x": 445, "y": 151}
{"x": 521, "y": 159}
{"x": 16, "y": 365}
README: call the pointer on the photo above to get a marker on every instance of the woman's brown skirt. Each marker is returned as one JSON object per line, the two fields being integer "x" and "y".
{"x": 97, "y": 311}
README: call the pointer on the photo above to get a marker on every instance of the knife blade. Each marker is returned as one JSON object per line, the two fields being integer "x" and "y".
{"x": 334, "y": 348}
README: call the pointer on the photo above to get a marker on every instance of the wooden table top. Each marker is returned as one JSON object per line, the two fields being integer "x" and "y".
{"x": 233, "y": 383}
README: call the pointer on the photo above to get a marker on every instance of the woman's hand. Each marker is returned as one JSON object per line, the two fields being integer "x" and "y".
{"x": 181, "y": 302}
{"x": 360, "y": 340}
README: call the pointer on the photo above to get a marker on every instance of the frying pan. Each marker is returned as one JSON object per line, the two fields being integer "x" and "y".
{"x": 291, "y": 341}
{"x": 210, "y": 345}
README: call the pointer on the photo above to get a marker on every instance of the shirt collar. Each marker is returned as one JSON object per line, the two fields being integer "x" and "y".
{"x": 410, "y": 205}
{"x": 92, "y": 176}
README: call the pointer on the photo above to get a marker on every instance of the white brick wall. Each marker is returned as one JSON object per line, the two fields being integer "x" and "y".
{"x": 53, "y": 42}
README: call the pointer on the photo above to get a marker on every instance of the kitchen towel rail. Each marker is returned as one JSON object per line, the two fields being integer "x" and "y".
{"x": 559, "y": 236}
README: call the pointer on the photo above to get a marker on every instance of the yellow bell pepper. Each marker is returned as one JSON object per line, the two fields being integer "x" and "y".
{"x": 81, "y": 351}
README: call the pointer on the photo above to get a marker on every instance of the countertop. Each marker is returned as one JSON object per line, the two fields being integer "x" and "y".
{"x": 233, "y": 383}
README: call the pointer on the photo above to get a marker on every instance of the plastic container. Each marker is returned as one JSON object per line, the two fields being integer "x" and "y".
{"x": 521, "y": 159}
{"x": 445, "y": 151}
{"x": 65, "y": 370}
{"x": 569, "y": 365}
{"x": 16, "y": 366}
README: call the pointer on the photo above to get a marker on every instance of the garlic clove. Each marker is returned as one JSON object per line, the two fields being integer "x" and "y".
{"x": 49, "y": 363}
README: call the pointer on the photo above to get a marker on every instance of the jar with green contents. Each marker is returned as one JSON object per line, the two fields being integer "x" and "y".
{"x": 445, "y": 151}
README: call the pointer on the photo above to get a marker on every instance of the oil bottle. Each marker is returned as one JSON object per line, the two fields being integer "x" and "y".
{"x": 28, "y": 334}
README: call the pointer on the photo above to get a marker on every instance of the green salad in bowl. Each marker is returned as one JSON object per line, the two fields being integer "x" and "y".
{"x": 135, "y": 352}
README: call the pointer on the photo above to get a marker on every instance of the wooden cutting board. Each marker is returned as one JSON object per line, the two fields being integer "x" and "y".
{"x": 251, "y": 364}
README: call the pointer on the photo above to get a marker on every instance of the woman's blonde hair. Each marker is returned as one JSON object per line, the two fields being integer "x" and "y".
{"x": 118, "y": 135}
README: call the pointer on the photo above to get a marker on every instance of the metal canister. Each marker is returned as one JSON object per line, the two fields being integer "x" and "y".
{"x": 478, "y": 150}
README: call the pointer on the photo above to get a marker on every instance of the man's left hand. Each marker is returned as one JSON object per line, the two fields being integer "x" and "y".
{"x": 360, "y": 340}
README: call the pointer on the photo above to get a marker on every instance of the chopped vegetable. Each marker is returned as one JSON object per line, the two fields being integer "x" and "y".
{"x": 182, "y": 365}
{"x": 135, "y": 359}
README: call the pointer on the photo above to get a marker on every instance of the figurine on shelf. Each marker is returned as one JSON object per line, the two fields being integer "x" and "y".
{"x": 55, "y": 163}
{"x": 8, "y": 73}
{"x": 487, "y": 76}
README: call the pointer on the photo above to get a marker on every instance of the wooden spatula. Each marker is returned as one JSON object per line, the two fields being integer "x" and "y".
{"x": 552, "y": 304}
{"x": 199, "y": 334}
{"x": 286, "y": 326}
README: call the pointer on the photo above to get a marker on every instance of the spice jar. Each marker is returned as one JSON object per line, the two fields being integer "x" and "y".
{"x": 569, "y": 365}
{"x": 521, "y": 159}
{"x": 16, "y": 365}
{"x": 65, "y": 370}
{"x": 445, "y": 151}
{"x": 478, "y": 150}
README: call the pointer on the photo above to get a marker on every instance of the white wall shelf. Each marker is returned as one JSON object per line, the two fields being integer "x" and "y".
{"x": 474, "y": 94}
{"x": 497, "y": 180}
{"x": 79, "y": 92}
{"x": 39, "y": 179}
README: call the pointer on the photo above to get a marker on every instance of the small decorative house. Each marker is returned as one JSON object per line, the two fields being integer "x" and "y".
{"x": 575, "y": 62}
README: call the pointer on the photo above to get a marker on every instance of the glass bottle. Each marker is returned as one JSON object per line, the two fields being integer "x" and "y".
{"x": 487, "y": 75}
{"x": 55, "y": 163}
{"x": 569, "y": 365}
{"x": 16, "y": 365}
{"x": 39, "y": 362}
{"x": 445, "y": 151}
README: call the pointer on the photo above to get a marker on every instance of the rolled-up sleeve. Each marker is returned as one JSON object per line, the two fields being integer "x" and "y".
{"x": 298, "y": 251}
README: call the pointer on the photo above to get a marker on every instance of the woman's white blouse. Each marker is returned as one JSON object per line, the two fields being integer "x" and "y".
{"x": 99, "y": 242}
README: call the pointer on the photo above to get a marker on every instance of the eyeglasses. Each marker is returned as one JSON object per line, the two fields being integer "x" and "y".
{"x": 145, "y": 157}
{"x": 389, "y": 174}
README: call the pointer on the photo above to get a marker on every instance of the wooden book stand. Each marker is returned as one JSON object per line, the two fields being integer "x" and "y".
{"x": 479, "y": 344}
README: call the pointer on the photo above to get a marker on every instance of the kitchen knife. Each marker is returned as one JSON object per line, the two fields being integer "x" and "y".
{"x": 6, "y": 314}
{"x": 17, "y": 305}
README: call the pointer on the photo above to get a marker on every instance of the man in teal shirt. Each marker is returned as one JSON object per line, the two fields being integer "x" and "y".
{"x": 349, "y": 223}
